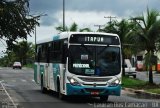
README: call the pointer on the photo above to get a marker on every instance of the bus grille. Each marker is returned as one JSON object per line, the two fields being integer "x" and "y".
{"x": 86, "y": 79}
{"x": 94, "y": 85}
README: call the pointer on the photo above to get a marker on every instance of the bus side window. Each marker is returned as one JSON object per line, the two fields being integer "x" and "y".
{"x": 39, "y": 54}
{"x": 48, "y": 52}
{"x": 51, "y": 52}
{"x": 57, "y": 51}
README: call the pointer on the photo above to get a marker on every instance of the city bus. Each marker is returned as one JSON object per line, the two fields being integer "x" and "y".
{"x": 80, "y": 64}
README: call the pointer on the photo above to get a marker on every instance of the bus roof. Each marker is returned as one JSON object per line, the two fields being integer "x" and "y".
{"x": 65, "y": 35}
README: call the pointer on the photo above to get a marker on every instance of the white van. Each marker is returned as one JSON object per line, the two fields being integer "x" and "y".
{"x": 129, "y": 69}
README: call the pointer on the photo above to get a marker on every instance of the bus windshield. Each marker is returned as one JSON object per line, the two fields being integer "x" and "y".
{"x": 94, "y": 60}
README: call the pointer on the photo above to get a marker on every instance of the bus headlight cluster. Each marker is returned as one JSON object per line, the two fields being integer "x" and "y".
{"x": 73, "y": 81}
{"x": 115, "y": 82}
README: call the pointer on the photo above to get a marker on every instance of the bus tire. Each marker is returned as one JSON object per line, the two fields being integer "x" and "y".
{"x": 43, "y": 89}
{"x": 60, "y": 95}
{"x": 104, "y": 98}
{"x": 134, "y": 76}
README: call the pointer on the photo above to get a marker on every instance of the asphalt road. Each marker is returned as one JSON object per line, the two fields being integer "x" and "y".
{"x": 26, "y": 94}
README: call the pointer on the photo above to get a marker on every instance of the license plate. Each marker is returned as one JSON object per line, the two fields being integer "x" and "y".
{"x": 94, "y": 93}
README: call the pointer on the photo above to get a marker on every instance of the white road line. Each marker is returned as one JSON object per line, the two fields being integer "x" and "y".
{"x": 23, "y": 80}
{"x": 8, "y": 95}
{"x": 13, "y": 80}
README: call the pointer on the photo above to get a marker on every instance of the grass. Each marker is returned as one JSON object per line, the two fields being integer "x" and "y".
{"x": 132, "y": 83}
{"x": 29, "y": 65}
{"x": 139, "y": 84}
{"x": 155, "y": 90}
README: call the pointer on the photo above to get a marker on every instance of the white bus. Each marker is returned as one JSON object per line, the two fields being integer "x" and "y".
{"x": 80, "y": 64}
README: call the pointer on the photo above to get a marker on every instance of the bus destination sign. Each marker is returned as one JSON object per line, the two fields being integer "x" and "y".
{"x": 94, "y": 39}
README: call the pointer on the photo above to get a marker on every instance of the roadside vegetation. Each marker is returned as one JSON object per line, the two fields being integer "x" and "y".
{"x": 137, "y": 84}
{"x": 23, "y": 52}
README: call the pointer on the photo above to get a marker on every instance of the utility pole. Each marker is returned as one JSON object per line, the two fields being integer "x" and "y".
{"x": 110, "y": 18}
{"x": 99, "y": 26}
{"x": 35, "y": 29}
{"x": 63, "y": 15}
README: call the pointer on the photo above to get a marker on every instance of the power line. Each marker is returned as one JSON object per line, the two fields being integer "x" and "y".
{"x": 110, "y": 18}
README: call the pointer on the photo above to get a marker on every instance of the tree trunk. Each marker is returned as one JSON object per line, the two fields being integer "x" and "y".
{"x": 150, "y": 75}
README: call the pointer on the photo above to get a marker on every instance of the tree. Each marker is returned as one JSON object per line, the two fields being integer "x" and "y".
{"x": 121, "y": 28}
{"x": 15, "y": 21}
{"x": 22, "y": 51}
{"x": 146, "y": 35}
{"x": 73, "y": 28}
{"x": 111, "y": 27}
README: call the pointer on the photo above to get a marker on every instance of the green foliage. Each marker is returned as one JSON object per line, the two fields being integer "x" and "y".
{"x": 156, "y": 90}
{"x": 15, "y": 21}
{"x": 147, "y": 30}
{"x": 132, "y": 83}
{"x": 110, "y": 27}
{"x": 29, "y": 65}
{"x": 73, "y": 28}
{"x": 22, "y": 51}
{"x": 139, "y": 84}
{"x": 85, "y": 30}
{"x": 145, "y": 35}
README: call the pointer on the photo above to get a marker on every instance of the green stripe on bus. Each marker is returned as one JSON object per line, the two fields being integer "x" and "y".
{"x": 35, "y": 73}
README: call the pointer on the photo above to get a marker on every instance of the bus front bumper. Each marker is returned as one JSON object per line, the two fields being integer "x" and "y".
{"x": 93, "y": 91}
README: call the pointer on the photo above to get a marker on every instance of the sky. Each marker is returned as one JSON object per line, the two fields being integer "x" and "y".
{"x": 86, "y": 13}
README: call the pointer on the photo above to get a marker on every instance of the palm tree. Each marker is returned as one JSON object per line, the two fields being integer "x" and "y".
{"x": 121, "y": 28}
{"x": 145, "y": 36}
{"x": 73, "y": 27}
{"x": 85, "y": 30}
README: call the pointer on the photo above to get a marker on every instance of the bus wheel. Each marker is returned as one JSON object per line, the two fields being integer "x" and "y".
{"x": 43, "y": 89}
{"x": 134, "y": 76}
{"x": 103, "y": 98}
{"x": 60, "y": 95}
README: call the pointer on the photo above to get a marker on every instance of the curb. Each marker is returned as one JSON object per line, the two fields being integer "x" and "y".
{"x": 143, "y": 93}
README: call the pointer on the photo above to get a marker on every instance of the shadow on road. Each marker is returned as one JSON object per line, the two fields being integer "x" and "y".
{"x": 76, "y": 99}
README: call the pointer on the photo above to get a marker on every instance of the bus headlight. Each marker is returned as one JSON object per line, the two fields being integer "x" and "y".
{"x": 115, "y": 82}
{"x": 73, "y": 81}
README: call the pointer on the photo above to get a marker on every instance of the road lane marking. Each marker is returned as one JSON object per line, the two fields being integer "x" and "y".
{"x": 23, "y": 80}
{"x": 15, "y": 106}
{"x": 13, "y": 80}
